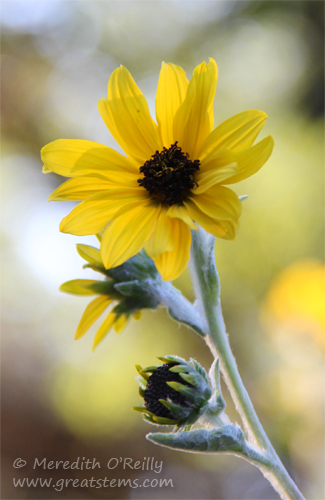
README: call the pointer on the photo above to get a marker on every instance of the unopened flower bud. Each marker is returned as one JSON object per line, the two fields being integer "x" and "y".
{"x": 175, "y": 393}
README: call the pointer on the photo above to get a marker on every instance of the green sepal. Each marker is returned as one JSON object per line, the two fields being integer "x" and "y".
{"x": 145, "y": 376}
{"x": 139, "y": 409}
{"x": 243, "y": 197}
{"x": 140, "y": 267}
{"x": 172, "y": 360}
{"x": 164, "y": 421}
{"x": 199, "y": 369}
{"x": 141, "y": 392}
{"x": 126, "y": 308}
{"x": 227, "y": 439}
{"x": 149, "y": 369}
{"x": 105, "y": 288}
{"x": 180, "y": 413}
{"x": 138, "y": 368}
{"x": 190, "y": 379}
{"x": 179, "y": 369}
{"x": 97, "y": 268}
{"x": 183, "y": 389}
{"x": 128, "y": 288}
{"x": 77, "y": 287}
{"x": 141, "y": 381}
{"x": 148, "y": 416}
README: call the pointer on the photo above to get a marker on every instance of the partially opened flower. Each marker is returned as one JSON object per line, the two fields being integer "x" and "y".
{"x": 173, "y": 175}
{"x": 120, "y": 293}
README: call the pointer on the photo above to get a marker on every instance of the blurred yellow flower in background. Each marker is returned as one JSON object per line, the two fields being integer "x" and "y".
{"x": 174, "y": 172}
{"x": 297, "y": 297}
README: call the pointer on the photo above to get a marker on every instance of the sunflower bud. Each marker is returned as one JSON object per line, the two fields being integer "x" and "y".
{"x": 175, "y": 393}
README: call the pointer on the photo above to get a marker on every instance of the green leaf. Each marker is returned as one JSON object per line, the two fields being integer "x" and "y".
{"x": 227, "y": 439}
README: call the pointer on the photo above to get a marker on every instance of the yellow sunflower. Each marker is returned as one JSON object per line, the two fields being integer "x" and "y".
{"x": 173, "y": 175}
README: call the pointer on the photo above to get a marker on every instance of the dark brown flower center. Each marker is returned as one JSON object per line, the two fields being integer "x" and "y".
{"x": 169, "y": 175}
{"x": 157, "y": 388}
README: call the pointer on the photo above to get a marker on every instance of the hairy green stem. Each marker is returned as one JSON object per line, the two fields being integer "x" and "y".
{"x": 179, "y": 308}
{"x": 207, "y": 289}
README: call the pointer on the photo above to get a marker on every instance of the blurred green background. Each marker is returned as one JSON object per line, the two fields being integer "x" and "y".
{"x": 60, "y": 400}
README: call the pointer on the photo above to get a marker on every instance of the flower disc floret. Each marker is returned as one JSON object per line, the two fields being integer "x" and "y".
{"x": 157, "y": 389}
{"x": 169, "y": 175}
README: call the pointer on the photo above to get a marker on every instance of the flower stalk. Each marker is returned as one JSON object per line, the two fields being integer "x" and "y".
{"x": 207, "y": 289}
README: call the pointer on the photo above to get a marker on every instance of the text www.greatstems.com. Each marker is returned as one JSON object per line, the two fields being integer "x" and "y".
{"x": 60, "y": 484}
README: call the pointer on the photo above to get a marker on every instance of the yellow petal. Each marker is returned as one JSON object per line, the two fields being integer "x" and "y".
{"x": 90, "y": 254}
{"x": 248, "y": 161}
{"x": 121, "y": 323}
{"x": 219, "y": 202}
{"x": 172, "y": 264}
{"x": 78, "y": 287}
{"x": 127, "y": 234}
{"x": 219, "y": 228}
{"x": 91, "y": 313}
{"x": 171, "y": 91}
{"x": 194, "y": 118}
{"x": 180, "y": 212}
{"x": 161, "y": 238}
{"x": 208, "y": 179}
{"x": 237, "y": 133}
{"x": 72, "y": 157}
{"x": 104, "y": 329}
{"x": 92, "y": 215}
{"x": 80, "y": 188}
{"x": 126, "y": 114}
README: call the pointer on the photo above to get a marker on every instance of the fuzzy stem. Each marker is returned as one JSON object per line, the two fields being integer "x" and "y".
{"x": 179, "y": 308}
{"x": 207, "y": 289}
